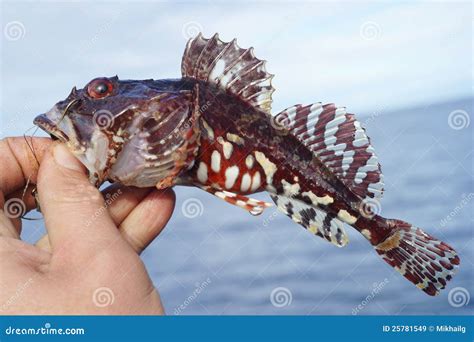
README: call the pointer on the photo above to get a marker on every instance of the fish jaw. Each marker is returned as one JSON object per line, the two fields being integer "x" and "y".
{"x": 96, "y": 157}
{"x": 52, "y": 124}
{"x": 93, "y": 155}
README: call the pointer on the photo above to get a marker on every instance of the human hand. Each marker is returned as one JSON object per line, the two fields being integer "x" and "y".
{"x": 89, "y": 262}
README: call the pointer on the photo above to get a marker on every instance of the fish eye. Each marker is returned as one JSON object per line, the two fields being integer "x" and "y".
{"x": 100, "y": 88}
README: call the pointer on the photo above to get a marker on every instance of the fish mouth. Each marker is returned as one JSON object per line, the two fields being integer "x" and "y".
{"x": 43, "y": 122}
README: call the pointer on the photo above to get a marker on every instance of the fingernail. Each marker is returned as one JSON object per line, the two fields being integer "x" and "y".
{"x": 66, "y": 159}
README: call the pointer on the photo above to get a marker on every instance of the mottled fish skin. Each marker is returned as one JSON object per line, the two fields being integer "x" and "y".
{"x": 239, "y": 142}
{"x": 143, "y": 133}
{"x": 214, "y": 129}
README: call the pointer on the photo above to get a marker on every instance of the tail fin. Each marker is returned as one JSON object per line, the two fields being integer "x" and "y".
{"x": 424, "y": 260}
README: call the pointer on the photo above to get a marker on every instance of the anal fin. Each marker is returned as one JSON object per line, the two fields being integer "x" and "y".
{"x": 313, "y": 219}
{"x": 253, "y": 206}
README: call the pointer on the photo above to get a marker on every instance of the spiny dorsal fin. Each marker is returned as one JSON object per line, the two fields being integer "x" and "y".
{"x": 230, "y": 67}
{"x": 337, "y": 140}
{"x": 314, "y": 219}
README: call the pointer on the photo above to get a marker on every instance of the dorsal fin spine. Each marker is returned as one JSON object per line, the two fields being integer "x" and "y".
{"x": 229, "y": 67}
{"x": 236, "y": 60}
{"x": 252, "y": 68}
{"x": 218, "y": 57}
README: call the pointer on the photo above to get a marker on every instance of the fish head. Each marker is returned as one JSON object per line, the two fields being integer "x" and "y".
{"x": 108, "y": 125}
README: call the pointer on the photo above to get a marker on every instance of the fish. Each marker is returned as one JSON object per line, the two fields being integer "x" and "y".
{"x": 213, "y": 128}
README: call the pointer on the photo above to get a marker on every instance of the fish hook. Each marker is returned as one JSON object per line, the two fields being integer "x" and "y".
{"x": 67, "y": 109}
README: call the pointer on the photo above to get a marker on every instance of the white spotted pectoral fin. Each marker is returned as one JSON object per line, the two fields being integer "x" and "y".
{"x": 253, "y": 206}
{"x": 314, "y": 219}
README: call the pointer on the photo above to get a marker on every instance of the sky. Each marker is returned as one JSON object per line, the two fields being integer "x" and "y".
{"x": 367, "y": 56}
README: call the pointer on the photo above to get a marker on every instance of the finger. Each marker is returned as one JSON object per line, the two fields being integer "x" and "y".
{"x": 148, "y": 219}
{"x": 19, "y": 162}
{"x": 43, "y": 243}
{"x": 74, "y": 212}
{"x": 122, "y": 201}
{"x": 7, "y": 228}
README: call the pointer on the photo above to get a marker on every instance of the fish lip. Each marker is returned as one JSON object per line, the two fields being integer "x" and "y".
{"x": 43, "y": 122}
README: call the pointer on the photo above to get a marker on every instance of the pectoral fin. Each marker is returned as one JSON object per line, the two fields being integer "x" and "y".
{"x": 253, "y": 206}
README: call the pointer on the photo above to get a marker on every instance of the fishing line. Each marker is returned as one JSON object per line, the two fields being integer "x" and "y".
{"x": 34, "y": 191}
{"x": 28, "y": 180}
{"x": 31, "y": 147}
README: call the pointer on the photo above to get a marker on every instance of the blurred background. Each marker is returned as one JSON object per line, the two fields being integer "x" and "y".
{"x": 404, "y": 68}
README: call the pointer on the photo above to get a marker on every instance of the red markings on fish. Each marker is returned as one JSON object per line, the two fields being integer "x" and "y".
{"x": 227, "y": 165}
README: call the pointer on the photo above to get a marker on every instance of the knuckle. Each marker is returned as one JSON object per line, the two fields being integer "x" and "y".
{"x": 76, "y": 193}
{"x": 8, "y": 140}
{"x": 137, "y": 243}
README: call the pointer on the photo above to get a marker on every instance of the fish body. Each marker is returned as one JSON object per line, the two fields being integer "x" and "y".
{"x": 213, "y": 129}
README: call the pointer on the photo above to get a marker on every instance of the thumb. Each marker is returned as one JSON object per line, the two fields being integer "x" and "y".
{"x": 73, "y": 209}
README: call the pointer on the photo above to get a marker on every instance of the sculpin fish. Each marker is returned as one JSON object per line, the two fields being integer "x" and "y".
{"x": 213, "y": 129}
